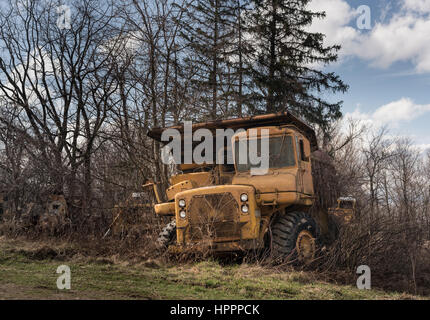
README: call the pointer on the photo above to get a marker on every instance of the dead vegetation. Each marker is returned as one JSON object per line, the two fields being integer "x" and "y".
{"x": 24, "y": 275}
{"x": 390, "y": 232}
{"x": 96, "y": 154}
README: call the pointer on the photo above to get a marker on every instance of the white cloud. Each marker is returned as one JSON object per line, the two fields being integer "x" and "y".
{"x": 398, "y": 111}
{"x": 335, "y": 26}
{"x": 391, "y": 114}
{"x": 417, "y": 5}
{"x": 404, "y": 37}
{"x": 423, "y": 147}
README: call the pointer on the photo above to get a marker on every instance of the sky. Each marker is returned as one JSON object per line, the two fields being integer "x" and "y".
{"x": 386, "y": 63}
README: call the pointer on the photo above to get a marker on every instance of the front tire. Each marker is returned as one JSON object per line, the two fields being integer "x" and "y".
{"x": 294, "y": 237}
{"x": 167, "y": 236}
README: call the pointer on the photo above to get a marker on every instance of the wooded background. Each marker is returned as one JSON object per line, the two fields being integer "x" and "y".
{"x": 76, "y": 103}
{"x": 77, "y": 100}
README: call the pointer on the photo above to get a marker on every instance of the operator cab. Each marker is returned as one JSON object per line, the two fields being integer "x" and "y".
{"x": 285, "y": 158}
{"x": 348, "y": 203}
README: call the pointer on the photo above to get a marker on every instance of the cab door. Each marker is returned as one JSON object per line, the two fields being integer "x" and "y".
{"x": 300, "y": 170}
{"x": 304, "y": 175}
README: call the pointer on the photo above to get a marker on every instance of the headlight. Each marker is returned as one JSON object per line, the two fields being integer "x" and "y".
{"x": 245, "y": 208}
{"x": 244, "y": 197}
{"x": 182, "y": 203}
{"x": 183, "y": 214}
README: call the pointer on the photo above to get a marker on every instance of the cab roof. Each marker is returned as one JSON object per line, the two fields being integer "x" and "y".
{"x": 273, "y": 119}
{"x": 347, "y": 199}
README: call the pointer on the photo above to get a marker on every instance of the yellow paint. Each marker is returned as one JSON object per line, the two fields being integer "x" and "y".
{"x": 278, "y": 190}
{"x": 165, "y": 209}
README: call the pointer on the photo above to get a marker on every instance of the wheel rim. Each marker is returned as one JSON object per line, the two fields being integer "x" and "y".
{"x": 305, "y": 245}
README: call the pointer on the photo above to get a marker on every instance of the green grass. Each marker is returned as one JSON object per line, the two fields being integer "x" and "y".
{"x": 21, "y": 276}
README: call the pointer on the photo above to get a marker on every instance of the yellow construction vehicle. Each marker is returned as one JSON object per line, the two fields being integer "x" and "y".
{"x": 227, "y": 207}
{"x": 345, "y": 210}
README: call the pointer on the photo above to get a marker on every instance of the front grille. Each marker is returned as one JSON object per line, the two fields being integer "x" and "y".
{"x": 213, "y": 216}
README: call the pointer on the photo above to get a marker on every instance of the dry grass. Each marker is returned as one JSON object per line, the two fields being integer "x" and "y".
{"x": 28, "y": 272}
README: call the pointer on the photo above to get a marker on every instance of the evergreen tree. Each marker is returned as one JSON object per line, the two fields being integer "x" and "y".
{"x": 240, "y": 57}
{"x": 208, "y": 34}
{"x": 288, "y": 62}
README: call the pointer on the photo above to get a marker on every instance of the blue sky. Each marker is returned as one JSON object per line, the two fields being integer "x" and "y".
{"x": 386, "y": 66}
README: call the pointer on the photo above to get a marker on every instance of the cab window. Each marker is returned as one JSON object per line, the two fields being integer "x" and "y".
{"x": 281, "y": 153}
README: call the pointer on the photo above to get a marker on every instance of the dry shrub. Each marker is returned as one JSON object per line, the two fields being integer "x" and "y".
{"x": 392, "y": 249}
{"x": 9, "y": 228}
{"x": 133, "y": 237}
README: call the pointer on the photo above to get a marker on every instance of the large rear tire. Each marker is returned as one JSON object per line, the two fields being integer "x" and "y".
{"x": 167, "y": 236}
{"x": 293, "y": 237}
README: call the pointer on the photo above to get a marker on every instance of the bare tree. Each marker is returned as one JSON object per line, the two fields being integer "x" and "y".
{"x": 58, "y": 80}
{"x": 154, "y": 85}
{"x": 376, "y": 152}
{"x": 404, "y": 169}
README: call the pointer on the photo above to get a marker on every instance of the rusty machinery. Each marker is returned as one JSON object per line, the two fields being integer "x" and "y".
{"x": 345, "y": 209}
{"x": 221, "y": 207}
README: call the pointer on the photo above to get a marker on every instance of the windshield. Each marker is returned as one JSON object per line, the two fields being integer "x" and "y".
{"x": 281, "y": 153}
{"x": 346, "y": 205}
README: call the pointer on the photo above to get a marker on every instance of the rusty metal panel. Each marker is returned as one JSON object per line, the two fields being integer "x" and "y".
{"x": 274, "y": 119}
{"x": 214, "y": 216}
